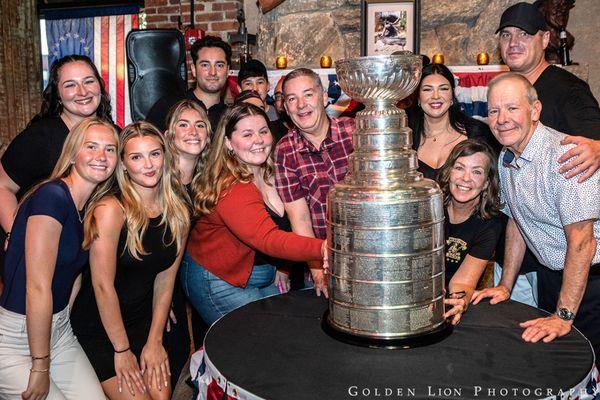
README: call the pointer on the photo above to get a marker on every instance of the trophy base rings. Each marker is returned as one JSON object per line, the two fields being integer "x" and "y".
{"x": 429, "y": 338}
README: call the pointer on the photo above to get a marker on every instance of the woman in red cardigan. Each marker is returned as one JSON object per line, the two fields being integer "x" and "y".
{"x": 237, "y": 208}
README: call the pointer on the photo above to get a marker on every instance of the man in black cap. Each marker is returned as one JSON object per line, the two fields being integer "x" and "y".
{"x": 568, "y": 106}
{"x": 253, "y": 76}
{"x": 568, "y": 103}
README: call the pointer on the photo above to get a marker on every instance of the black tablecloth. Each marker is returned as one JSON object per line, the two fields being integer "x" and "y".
{"x": 275, "y": 348}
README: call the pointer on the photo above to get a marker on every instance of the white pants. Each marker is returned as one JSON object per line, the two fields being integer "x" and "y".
{"x": 525, "y": 289}
{"x": 71, "y": 374}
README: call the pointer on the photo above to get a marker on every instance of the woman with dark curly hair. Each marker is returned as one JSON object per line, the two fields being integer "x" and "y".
{"x": 75, "y": 91}
{"x": 472, "y": 227}
{"x": 438, "y": 123}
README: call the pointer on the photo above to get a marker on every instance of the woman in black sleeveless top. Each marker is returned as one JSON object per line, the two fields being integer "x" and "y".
{"x": 136, "y": 240}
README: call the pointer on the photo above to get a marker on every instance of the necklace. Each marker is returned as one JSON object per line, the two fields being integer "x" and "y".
{"x": 437, "y": 135}
{"x": 74, "y": 205}
{"x": 434, "y": 137}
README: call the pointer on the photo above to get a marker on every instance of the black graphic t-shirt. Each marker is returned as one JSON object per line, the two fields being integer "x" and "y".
{"x": 475, "y": 236}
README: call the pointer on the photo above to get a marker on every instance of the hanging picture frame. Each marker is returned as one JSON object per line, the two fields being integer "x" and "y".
{"x": 389, "y": 26}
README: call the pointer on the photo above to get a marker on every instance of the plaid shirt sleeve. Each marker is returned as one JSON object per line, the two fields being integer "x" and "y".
{"x": 287, "y": 181}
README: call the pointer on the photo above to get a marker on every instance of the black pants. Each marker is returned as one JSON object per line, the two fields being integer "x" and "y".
{"x": 588, "y": 315}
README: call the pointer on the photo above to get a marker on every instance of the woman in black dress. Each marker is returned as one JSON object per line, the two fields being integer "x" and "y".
{"x": 472, "y": 227}
{"x": 136, "y": 240}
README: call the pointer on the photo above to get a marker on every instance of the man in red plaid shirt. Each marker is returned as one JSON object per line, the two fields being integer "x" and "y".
{"x": 311, "y": 158}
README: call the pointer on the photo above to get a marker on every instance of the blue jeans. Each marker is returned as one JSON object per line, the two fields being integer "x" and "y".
{"x": 212, "y": 297}
{"x": 525, "y": 289}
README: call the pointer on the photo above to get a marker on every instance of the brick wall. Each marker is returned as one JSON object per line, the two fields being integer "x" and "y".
{"x": 215, "y": 17}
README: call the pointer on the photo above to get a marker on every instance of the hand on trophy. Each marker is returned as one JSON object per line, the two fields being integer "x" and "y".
{"x": 320, "y": 282}
{"x": 458, "y": 304}
{"x": 325, "y": 255}
{"x": 319, "y": 271}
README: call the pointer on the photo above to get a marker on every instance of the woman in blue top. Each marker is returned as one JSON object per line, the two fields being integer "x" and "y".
{"x": 39, "y": 355}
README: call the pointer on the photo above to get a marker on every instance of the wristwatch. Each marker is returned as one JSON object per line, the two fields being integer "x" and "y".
{"x": 564, "y": 313}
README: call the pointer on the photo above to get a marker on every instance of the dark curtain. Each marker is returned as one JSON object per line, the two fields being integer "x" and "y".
{"x": 20, "y": 66}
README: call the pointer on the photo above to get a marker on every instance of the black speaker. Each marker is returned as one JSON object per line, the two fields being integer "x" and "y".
{"x": 155, "y": 67}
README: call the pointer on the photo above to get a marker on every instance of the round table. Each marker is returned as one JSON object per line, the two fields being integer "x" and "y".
{"x": 275, "y": 348}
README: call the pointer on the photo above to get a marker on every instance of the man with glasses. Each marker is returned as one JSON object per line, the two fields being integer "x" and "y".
{"x": 211, "y": 58}
{"x": 278, "y": 97}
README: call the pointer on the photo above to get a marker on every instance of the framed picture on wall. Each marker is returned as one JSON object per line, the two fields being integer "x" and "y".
{"x": 388, "y": 26}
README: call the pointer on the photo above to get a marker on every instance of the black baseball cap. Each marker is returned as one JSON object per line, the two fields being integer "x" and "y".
{"x": 524, "y": 16}
{"x": 251, "y": 69}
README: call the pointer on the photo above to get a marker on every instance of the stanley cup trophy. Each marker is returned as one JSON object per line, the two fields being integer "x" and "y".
{"x": 385, "y": 222}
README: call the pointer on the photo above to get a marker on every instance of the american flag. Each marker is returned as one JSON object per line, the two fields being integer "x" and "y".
{"x": 102, "y": 39}
{"x": 471, "y": 88}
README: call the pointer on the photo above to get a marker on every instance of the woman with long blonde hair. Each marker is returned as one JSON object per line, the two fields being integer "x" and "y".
{"x": 136, "y": 237}
{"x": 188, "y": 139}
{"x": 39, "y": 355}
{"x": 236, "y": 201}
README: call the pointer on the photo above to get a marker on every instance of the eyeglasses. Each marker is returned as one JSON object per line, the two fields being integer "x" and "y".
{"x": 278, "y": 96}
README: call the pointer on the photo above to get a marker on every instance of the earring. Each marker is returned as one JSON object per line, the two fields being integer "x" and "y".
{"x": 231, "y": 152}
{"x": 125, "y": 171}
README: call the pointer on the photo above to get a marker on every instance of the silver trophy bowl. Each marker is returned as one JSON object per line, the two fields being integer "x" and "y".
{"x": 379, "y": 78}
{"x": 385, "y": 221}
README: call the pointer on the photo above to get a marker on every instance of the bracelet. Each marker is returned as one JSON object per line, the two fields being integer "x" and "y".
{"x": 122, "y": 351}
{"x": 456, "y": 295}
{"x": 39, "y": 370}
{"x": 40, "y": 358}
